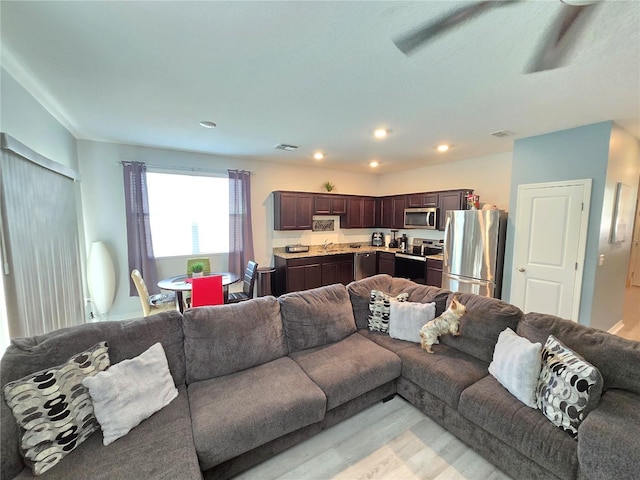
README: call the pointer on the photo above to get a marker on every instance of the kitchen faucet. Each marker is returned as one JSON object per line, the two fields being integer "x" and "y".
{"x": 326, "y": 245}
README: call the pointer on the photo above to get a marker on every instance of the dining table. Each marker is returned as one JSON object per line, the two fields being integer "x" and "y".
{"x": 182, "y": 283}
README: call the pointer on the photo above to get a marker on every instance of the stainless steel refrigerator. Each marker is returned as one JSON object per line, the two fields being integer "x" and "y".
{"x": 474, "y": 251}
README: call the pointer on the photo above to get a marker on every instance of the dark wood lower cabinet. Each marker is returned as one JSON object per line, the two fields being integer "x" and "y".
{"x": 386, "y": 263}
{"x": 337, "y": 269}
{"x": 434, "y": 272}
{"x": 293, "y": 275}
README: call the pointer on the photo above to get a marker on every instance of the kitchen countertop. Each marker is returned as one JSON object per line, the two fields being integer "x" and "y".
{"x": 338, "y": 249}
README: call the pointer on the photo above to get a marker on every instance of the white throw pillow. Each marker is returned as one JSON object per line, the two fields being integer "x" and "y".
{"x": 407, "y": 318}
{"x": 516, "y": 365}
{"x": 130, "y": 392}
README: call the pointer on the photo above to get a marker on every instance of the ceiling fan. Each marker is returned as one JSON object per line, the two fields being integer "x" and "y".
{"x": 550, "y": 54}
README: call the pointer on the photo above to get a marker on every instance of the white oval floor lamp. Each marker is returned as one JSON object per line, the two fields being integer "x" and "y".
{"x": 101, "y": 277}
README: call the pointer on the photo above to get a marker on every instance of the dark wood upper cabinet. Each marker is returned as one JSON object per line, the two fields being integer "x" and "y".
{"x": 392, "y": 214}
{"x": 452, "y": 200}
{"x": 418, "y": 200}
{"x": 295, "y": 210}
{"x": 292, "y": 210}
{"x": 361, "y": 213}
{"x": 399, "y": 204}
{"x": 368, "y": 212}
{"x": 329, "y": 205}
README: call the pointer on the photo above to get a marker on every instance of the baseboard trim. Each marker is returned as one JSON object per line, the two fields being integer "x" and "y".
{"x": 616, "y": 328}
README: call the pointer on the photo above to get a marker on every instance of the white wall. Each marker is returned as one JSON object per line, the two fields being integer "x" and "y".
{"x": 27, "y": 121}
{"x": 488, "y": 176}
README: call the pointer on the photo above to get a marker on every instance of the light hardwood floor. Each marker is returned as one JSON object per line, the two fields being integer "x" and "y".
{"x": 631, "y": 314}
{"x": 391, "y": 440}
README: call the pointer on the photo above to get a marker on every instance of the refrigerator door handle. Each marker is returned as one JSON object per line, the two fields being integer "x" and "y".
{"x": 451, "y": 282}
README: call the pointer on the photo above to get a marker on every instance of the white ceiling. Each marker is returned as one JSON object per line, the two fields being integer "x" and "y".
{"x": 321, "y": 75}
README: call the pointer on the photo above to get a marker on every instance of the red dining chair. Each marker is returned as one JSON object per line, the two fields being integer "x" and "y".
{"x": 207, "y": 291}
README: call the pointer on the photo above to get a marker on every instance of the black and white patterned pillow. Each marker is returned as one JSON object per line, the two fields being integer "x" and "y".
{"x": 379, "y": 308}
{"x": 54, "y": 410}
{"x": 569, "y": 387}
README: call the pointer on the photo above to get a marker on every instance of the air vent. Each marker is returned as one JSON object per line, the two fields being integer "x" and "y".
{"x": 285, "y": 146}
{"x": 502, "y": 133}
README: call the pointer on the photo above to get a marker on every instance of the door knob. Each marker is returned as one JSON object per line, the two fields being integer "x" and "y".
{"x": 522, "y": 269}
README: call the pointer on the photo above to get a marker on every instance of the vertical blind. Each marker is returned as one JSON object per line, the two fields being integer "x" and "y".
{"x": 41, "y": 250}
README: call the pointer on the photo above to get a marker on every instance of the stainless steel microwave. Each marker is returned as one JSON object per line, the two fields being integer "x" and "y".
{"x": 425, "y": 218}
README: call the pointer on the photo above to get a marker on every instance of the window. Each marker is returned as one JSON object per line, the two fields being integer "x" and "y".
{"x": 188, "y": 214}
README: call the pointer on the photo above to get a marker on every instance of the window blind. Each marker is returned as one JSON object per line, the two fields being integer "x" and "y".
{"x": 41, "y": 252}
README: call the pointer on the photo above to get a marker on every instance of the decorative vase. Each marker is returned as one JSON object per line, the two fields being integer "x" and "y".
{"x": 197, "y": 274}
{"x": 101, "y": 277}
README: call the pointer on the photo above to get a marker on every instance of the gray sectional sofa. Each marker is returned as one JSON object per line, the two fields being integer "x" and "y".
{"x": 258, "y": 377}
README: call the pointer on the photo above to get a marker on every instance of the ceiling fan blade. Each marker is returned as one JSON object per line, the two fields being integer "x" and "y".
{"x": 414, "y": 39}
{"x": 562, "y": 36}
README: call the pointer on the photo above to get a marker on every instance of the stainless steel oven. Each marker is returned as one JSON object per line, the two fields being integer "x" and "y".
{"x": 412, "y": 264}
{"x": 413, "y": 267}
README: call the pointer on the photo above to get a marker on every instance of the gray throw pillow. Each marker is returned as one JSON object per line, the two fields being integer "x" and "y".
{"x": 569, "y": 387}
{"x": 131, "y": 391}
{"x": 380, "y": 309}
{"x": 516, "y": 365}
{"x": 53, "y": 408}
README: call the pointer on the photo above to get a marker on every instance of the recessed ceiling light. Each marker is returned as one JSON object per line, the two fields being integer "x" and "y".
{"x": 443, "y": 148}
{"x": 318, "y": 155}
{"x": 373, "y": 164}
{"x": 380, "y": 133}
{"x": 207, "y": 124}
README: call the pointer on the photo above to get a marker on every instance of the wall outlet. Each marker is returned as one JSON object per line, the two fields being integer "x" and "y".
{"x": 601, "y": 260}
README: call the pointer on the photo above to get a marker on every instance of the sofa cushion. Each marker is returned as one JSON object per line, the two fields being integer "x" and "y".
{"x": 126, "y": 339}
{"x": 236, "y": 413}
{"x": 616, "y": 358}
{"x": 481, "y": 324}
{"x": 422, "y": 293}
{"x": 444, "y": 373}
{"x": 608, "y": 443}
{"x": 348, "y": 368}
{"x": 316, "y": 317}
{"x": 137, "y": 455}
{"x": 54, "y": 409}
{"x": 516, "y": 365}
{"x": 384, "y": 340}
{"x": 568, "y": 388}
{"x": 380, "y": 309}
{"x": 130, "y": 392}
{"x": 228, "y": 338}
{"x": 490, "y": 406}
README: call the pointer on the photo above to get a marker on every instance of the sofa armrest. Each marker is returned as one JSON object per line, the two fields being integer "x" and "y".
{"x": 608, "y": 441}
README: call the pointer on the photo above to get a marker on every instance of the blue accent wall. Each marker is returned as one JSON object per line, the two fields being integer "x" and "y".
{"x": 573, "y": 154}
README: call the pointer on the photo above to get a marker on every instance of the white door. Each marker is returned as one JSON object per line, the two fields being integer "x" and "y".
{"x": 550, "y": 239}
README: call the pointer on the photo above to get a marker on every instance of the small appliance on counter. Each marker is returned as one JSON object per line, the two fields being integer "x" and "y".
{"x": 394, "y": 242}
{"x": 404, "y": 243}
{"x": 377, "y": 239}
{"x": 297, "y": 248}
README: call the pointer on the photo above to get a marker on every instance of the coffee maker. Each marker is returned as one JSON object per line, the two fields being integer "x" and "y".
{"x": 377, "y": 239}
{"x": 403, "y": 243}
{"x": 394, "y": 242}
